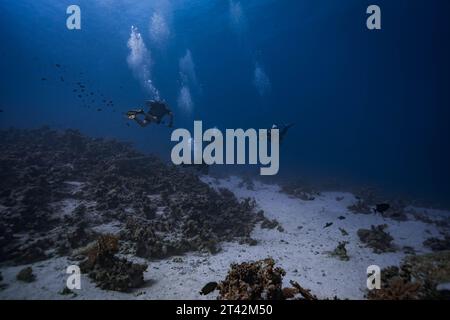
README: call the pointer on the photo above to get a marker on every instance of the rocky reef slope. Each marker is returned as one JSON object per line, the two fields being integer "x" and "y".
{"x": 56, "y": 188}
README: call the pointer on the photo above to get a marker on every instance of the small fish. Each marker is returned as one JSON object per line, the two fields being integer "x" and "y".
{"x": 328, "y": 224}
{"x": 57, "y": 65}
{"x": 44, "y": 79}
{"x": 80, "y": 96}
{"x": 99, "y": 109}
{"x": 208, "y": 288}
{"x": 382, "y": 207}
{"x": 341, "y": 217}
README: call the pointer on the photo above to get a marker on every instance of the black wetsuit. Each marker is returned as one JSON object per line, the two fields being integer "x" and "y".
{"x": 157, "y": 111}
{"x": 282, "y": 131}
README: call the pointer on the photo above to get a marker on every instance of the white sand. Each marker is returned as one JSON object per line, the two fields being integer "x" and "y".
{"x": 301, "y": 252}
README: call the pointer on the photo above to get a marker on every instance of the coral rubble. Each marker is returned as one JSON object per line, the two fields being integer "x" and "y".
{"x": 377, "y": 238}
{"x": 341, "y": 251}
{"x": 165, "y": 210}
{"x": 107, "y": 270}
{"x": 418, "y": 277}
{"x": 368, "y": 202}
{"x": 26, "y": 275}
{"x": 299, "y": 190}
{"x": 437, "y": 244}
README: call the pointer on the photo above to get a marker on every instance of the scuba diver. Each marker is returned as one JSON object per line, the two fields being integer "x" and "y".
{"x": 157, "y": 111}
{"x": 283, "y": 129}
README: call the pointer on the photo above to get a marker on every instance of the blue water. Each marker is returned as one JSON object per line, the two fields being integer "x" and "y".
{"x": 370, "y": 107}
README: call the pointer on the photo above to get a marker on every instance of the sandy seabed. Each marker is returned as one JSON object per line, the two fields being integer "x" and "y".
{"x": 302, "y": 249}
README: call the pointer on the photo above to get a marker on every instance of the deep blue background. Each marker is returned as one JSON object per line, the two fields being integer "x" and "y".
{"x": 371, "y": 107}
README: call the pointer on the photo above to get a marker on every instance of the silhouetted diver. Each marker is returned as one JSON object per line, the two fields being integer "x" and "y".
{"x": 157, "y": 111}
{"x": 283, "y": 129}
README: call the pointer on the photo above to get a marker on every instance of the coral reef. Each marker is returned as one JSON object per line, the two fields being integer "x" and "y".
{"x": 368, "y": 202}
{"x": 270, "y": 224}
{"x": 377, "y": 239}
{"x": 198, "y": 221}
{"x": 259, "y": 280}
{"x": 437, "y": 244}
{"x": 418, "y": 277}
{"x": 396, "y": 285}
{"x": 26, "y": 275}
{"x": 395, "y": 211}
{"x": 108, "y": 271}
{"x": 360, "y": 207}
{"x": 341, "y": 251}
{"x": 166, "y": 210}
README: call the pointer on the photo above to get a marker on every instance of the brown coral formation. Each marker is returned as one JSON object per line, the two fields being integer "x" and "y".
{"x": 107, "y": 270}
{"x": 259, "y": 280}
{"x": 26, "y": 275}
{"x": 418, "y": 277}
{"x": 377, "y": 238}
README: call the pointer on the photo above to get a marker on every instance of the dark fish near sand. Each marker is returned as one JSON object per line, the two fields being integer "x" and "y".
{"x": 208, "y": 288}
{"x": 382, "y": 207}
